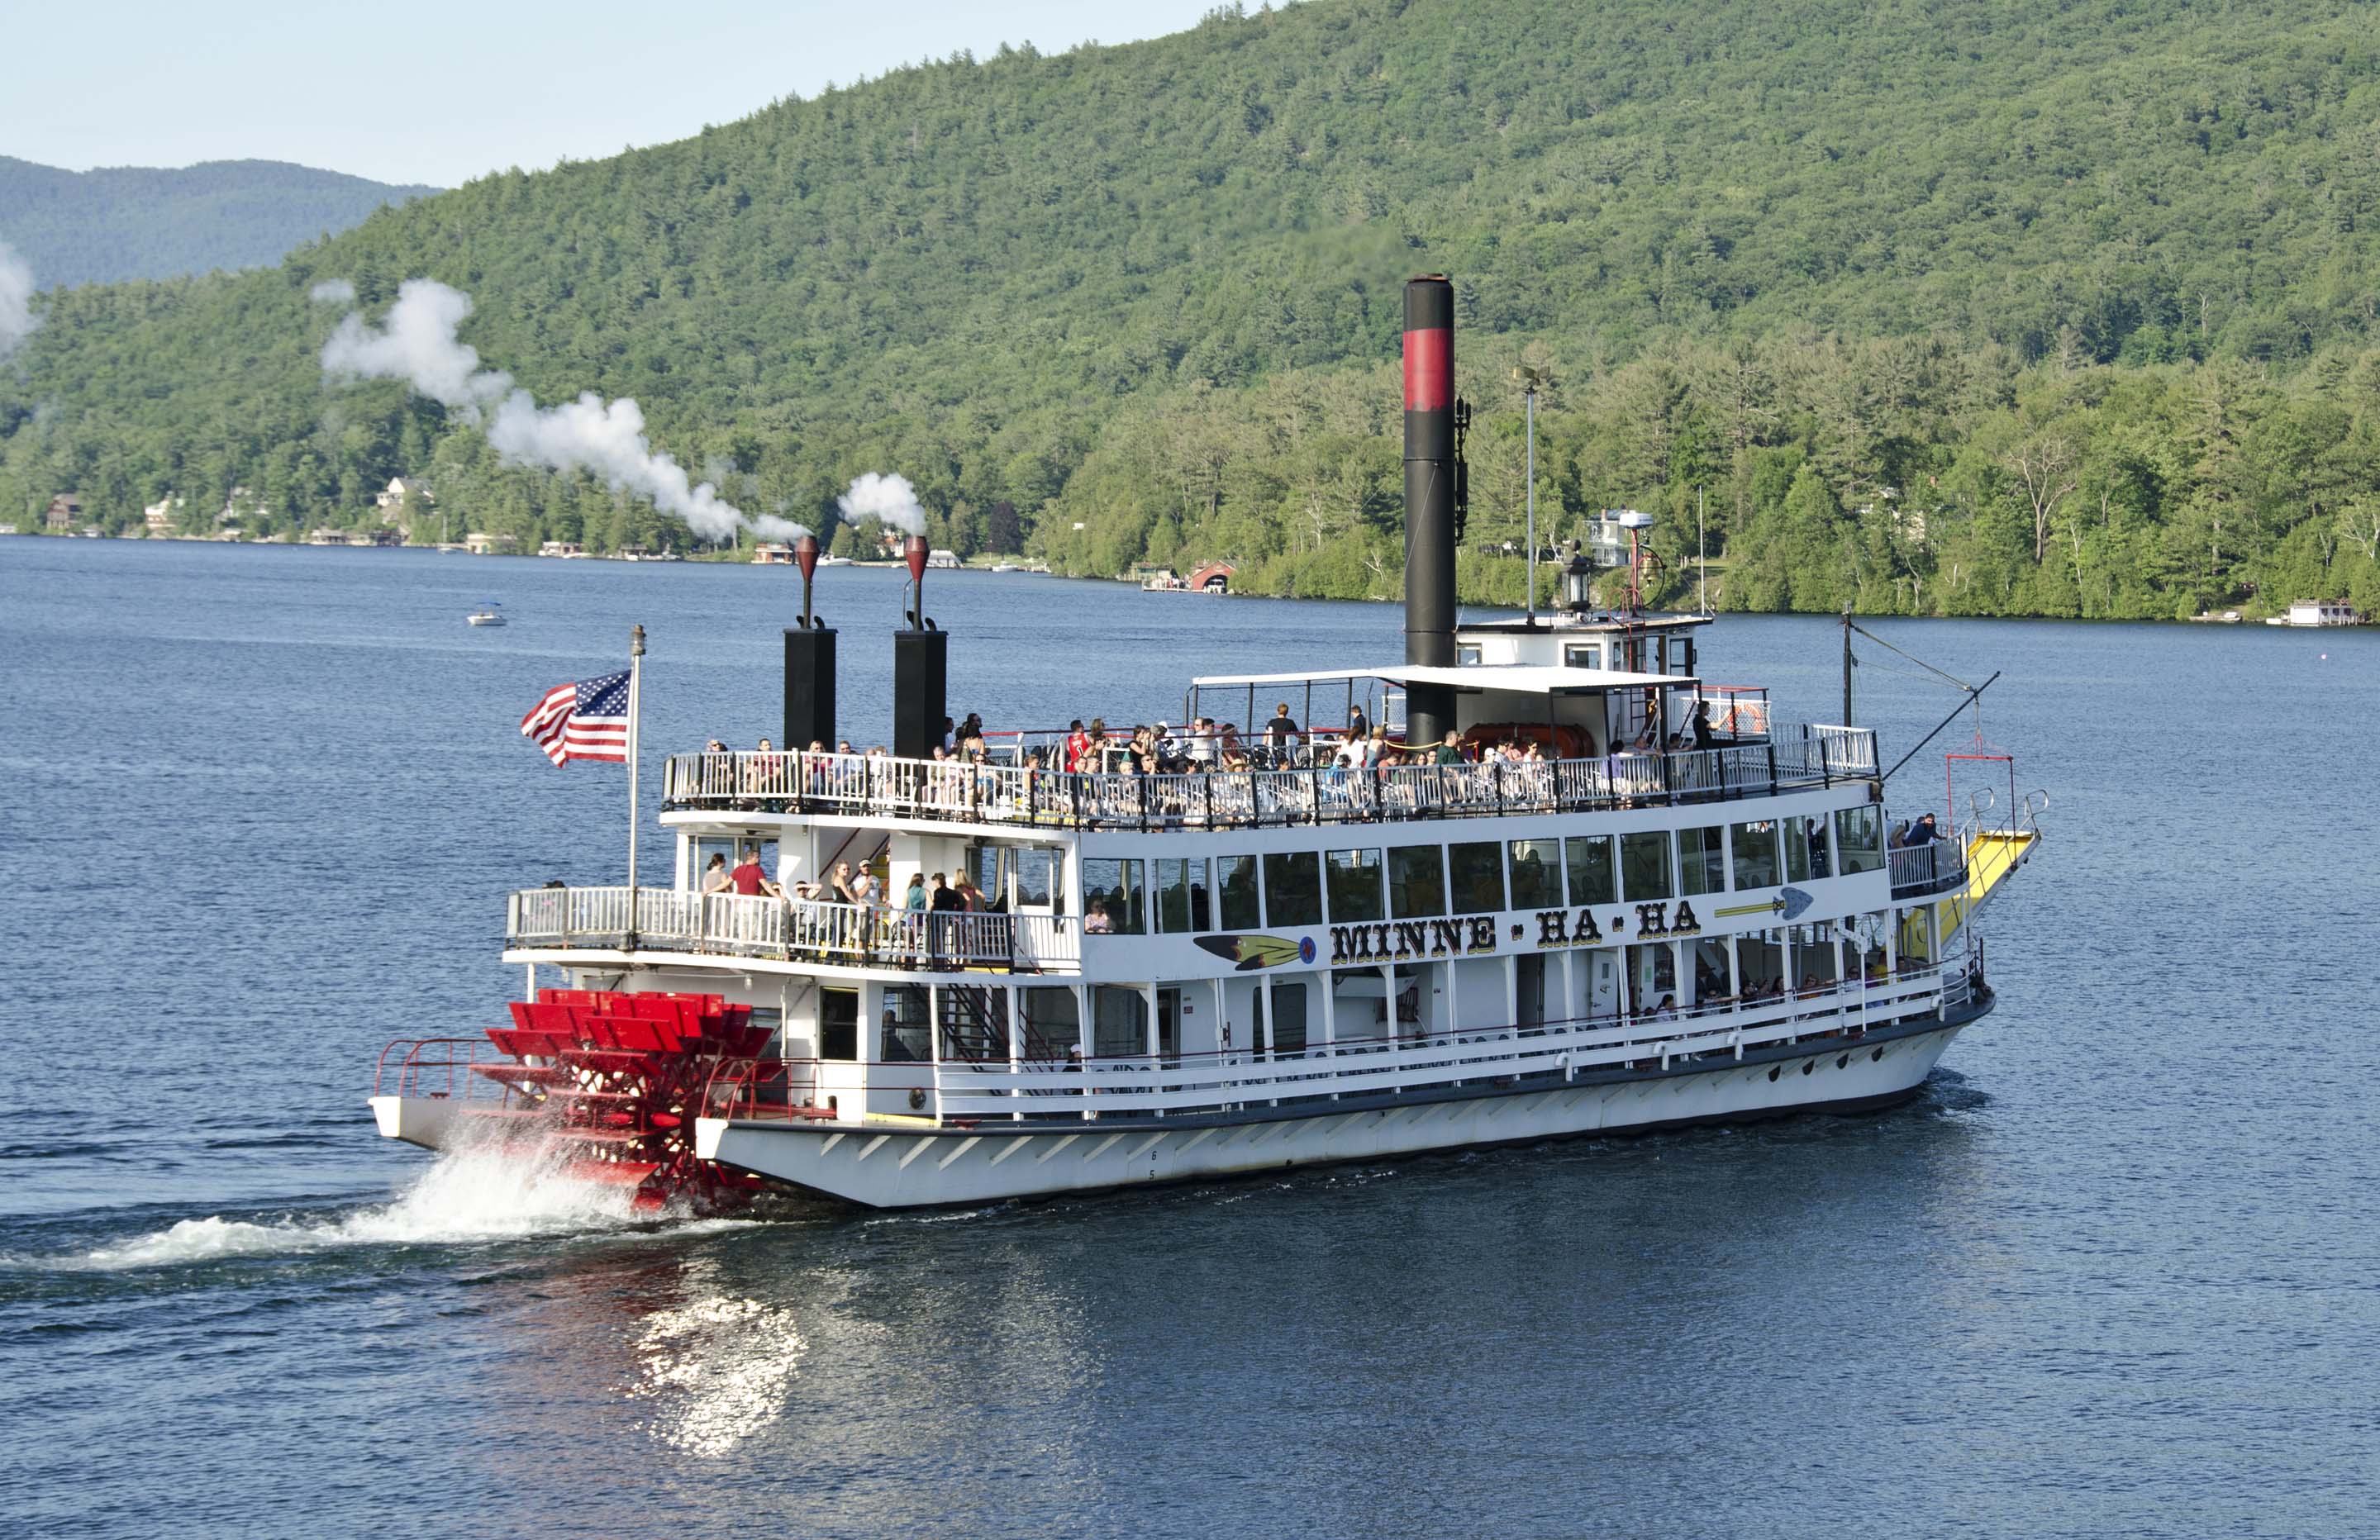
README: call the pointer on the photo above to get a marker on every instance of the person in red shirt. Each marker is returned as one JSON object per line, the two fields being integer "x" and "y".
{"x": 750, "y": 879}
{"x": 1078, "y": 743}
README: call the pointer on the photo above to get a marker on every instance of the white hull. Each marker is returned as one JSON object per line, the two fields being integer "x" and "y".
{"x": 902, "y": 1167}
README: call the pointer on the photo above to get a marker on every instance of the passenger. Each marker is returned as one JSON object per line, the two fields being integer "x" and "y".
{"x": 970, "y": 896}
{"x": 714, "y": 876}
{"x": 1924, "y": 834}
{"x": 1200, "y": 750}
{"x": 1078, "y": 743}
{"x": 751, "y": 879}
{"x": 1449, "y": 750}
{"x": 1667, "y": 1009}
{"x": 839, "y": 885}
{"x": 1281, "y": 733}
{"x": 863, "y": 888}
{"x": 1899, "y": 837}
{"x": 950, "y": 735}
{"x": 1358, "y": 725}
{"x": 1704, "y": 736}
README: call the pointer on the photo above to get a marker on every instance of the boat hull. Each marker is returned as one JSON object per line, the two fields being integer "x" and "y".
{"x": 905, "y": 1167}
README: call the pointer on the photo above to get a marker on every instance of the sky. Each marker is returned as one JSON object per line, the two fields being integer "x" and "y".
{"x": 440, "y": 91}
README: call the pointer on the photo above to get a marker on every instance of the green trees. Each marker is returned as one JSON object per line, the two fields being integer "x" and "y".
{"x": 2077, "y": 319}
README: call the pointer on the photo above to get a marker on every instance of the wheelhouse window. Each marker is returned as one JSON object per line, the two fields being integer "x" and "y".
{"x": 1583, "y": 655}
{"x": 1181, "y": 895}
{"x": 1477, "y": 875}
{"x": 1701, "y": 863}
{"x": 1293, "y": 882}
{"x": 1859, "y": 839}
{"x": 1416, "y": 882}
{"x": 1755, "y": 854}
{"x": 1537, "y": 874}
{"x": 1353, "y": 877}
{"x": 1592, "y": 879}
{"x": 1038, "y": 887}
{"x": 1236, "y": 889}
{"x": 1112, "y": 898}
{"x": 1645, "y": 865}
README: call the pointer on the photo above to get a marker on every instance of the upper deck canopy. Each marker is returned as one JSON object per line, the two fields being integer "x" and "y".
{"x": 1515, "y": 678}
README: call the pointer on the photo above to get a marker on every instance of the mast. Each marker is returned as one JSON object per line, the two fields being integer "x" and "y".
{"x": 635, "y": 673}
{"x": 1847, "y": 666}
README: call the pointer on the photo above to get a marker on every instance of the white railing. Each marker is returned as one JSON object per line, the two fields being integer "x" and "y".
{"x": 1138, "y": 1086}
{"x": 879, "y": 785}
{"x": 670, "y": 919}
{"x": 1927, "y": 868}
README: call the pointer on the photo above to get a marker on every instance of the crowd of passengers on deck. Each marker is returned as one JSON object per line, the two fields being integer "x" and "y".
{"x": 1206, "y": 747}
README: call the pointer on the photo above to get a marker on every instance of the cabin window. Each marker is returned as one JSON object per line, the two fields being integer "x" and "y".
{"x": 1760, "y": 963}
{"x": 839, "y": 1025}
{"x": 1755, "y": 854}
{"x": 1859, "y": 839}
{"x": 1054, "y": 1022}
{"x": 1355, "y": 881}
{"x": 1477, "y": 875}
{"x": 1591, "y": 876}
{"x": 1119, "y": 1022}
{"x": 908, "y": 1032}
{"x": 1645, "y": 865}
{"x": 1537, "y": 874}
{"x": 1038, "y": 887}
{"x": 1112, "y": 898}
{"x": 1416, "y": 882}
{"x": 1797, "y": 850}
{"x": 1583, "y": 655}
{"x": 1466, "y": 655}
{"x": 1701, "y": 863}
{"x": 1289, "y": 1018}
{"x": 1181, "y": 895}
{"x": 1235, "y": 885}
{"x": 1293, "y": 882}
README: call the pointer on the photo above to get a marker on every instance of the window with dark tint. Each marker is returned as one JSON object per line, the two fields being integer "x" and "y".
{"x": 1797, "y": 850}
{"x": 1119, "y": 1022}
{"x": 908, "y": 1034}
{"x": 1702, "y": 864}
{"x": 1537, "y": 874}
{"x": 1755, "y": 854}
{"x": 1859, "y": 840}
{"x": 1416, "y": 882}
{"x": 1475, "y": 873}
{"x": 1288, "y": 1017}
{"x": 1354, "y": 882}
{"x": 1181, "y": 895}
{"x": 838, "y": 1024}
{"x": 1294, "y": 888}
{"x": 1052, "y": 1022}
{"x": 1111, "y": 890}
{"x": 1592, "y": 880}
{"x": 1235, "y": 885}
{"x": 1644, "y": 865}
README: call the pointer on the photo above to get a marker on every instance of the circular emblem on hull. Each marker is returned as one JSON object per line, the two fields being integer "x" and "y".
{"x": 1305, "y": 949}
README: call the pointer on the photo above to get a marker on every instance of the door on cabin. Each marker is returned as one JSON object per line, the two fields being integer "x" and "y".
{"x": 1603, "y": 983}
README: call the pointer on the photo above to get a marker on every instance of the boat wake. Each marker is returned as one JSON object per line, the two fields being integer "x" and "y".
{"x": 465, "y": 1197}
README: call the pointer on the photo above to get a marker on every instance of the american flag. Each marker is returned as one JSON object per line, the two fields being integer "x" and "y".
{"x": 585, "y": 721}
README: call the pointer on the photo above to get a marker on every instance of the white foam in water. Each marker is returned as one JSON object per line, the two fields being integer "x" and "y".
{"x": 465, "y": 1195}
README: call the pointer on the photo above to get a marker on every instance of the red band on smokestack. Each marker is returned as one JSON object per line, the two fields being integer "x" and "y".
{"x": 1429, "y": 371}
{"x": 806, "y": 556}
{"x": 915, "y": 552}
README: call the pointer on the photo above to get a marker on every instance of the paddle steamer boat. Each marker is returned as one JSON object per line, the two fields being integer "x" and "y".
{"x": 1183, "y": 977}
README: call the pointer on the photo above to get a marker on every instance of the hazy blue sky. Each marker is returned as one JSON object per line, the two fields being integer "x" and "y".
{"x": 439, "y": 90}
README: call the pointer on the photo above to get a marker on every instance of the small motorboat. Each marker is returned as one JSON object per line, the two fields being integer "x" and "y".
{"x": 490, "y": 613}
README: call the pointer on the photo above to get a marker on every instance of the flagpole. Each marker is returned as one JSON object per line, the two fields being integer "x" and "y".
{"x": 636, "y": 671}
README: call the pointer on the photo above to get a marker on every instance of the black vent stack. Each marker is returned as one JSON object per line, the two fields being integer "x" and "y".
{"x": 1432, "y": 473}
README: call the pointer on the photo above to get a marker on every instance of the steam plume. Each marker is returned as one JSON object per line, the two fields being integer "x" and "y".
{"x": 606, "y": 439}
{"x": 888, "y": 500}
{"x": 16, "y": 318}
{"x": 333, "y": 291}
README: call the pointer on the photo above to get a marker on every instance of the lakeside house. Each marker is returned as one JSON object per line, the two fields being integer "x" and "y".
{"x": 1214, "y": 578}
{"x": 562, "y": 548}
{"x": 481, "y": 543}
{"x": 63, "y": 514}
{"x": 158, "y": 516}
{"x": 768, "y": 553}
{"x": 939, "y": 558}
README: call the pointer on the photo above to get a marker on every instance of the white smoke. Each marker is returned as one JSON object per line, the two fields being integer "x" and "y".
{"x": 333, "y": 291}
{"x": 418, "y": 344}
{"x": 418, "y": 347}
{"x": 888, "y": 500}
{"x": 17, "y": 319}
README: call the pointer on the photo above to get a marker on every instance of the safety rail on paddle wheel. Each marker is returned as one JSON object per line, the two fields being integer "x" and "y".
{"x": 441, "y": 1069}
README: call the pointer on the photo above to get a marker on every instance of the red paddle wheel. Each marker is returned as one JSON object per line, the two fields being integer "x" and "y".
{"x": 612, "y": 1084}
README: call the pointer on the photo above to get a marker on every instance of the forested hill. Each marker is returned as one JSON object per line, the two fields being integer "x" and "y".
{"x": 141, "y": 222}
{"x": 1982, "y": 305}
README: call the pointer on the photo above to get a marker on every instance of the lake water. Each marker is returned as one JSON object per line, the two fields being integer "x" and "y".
{"x": 2115, "y": 1272}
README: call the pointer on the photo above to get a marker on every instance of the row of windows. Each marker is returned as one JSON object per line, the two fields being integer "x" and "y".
{"x": 1408, "y": 883}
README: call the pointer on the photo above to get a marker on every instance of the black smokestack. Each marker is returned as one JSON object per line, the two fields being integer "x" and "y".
{"x": 1430, "y": 477}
